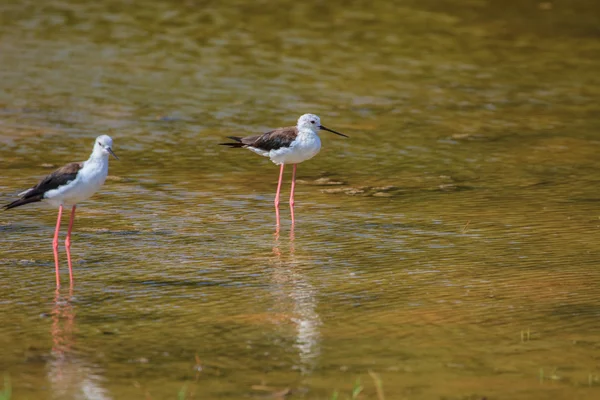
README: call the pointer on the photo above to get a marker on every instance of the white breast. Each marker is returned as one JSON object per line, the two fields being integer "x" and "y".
{"x": 89, "y": 179}
{"x": 305, "y": 147}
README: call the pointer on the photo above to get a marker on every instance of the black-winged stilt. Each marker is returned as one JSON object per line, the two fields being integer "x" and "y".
{"x": 289, "y": 145}
{"x": 68, "y": 186}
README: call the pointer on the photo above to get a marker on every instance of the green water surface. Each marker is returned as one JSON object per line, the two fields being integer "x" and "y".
{"x": 450, "y": 246}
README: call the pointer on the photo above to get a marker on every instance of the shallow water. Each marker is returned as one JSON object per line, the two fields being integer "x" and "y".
{"x": 450, "y": 246}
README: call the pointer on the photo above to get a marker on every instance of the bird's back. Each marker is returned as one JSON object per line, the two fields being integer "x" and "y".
{"x": 54, "y": 181}
{"x": 272, "y": 140}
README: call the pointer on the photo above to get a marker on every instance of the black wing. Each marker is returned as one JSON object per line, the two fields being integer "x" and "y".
{"x": 58, "y": 178}
{"x": 273, "y": 140}
{"x": 276, "y": 139}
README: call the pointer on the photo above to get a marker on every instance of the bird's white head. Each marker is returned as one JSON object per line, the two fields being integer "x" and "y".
{"x": 309, "y": 122}
{"x": 313, "y": 123}
{"x": 103, "y": 147}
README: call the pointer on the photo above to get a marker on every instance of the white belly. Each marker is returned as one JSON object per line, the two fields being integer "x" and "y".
{"x": 303, "y": 148}
{"x": 78, "y": 190}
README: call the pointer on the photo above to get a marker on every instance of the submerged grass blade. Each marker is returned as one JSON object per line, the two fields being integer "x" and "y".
{"x": 6, "y": 392}
{"x": 378, "y": 385}
{"x": 357, "y": 389}
{"x": 181, "y": 395}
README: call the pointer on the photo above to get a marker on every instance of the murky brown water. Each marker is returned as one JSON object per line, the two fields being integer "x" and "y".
{"x": 450, "y": 246}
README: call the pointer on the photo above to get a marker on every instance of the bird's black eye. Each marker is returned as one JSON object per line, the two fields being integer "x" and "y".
{"x": 312, "y": 122}
{"x": 99, "y": 144}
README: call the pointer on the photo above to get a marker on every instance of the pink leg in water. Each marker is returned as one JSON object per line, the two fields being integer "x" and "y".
{"x": 279, "y": 186}
{"x": 277, "y": 222}
{"x": 292, "y": 202}
{"x": 55, "y": 246}
{"x": 68, "y": 245}
{"x": 293, "y": 186}
{"x": 292, "y": 215}
{"x": 277, "y": 196}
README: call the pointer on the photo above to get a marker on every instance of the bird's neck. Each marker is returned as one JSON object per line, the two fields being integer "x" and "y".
{"x": 306, "y": 132}
{"x": 98, "y": 157}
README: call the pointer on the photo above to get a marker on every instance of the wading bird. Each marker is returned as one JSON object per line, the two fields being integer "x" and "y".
{"x": 289, "y": 145}
{"x": 68, "y": 186}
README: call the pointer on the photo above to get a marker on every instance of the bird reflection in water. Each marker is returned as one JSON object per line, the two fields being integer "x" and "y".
{"x": 69, "y": 375}
{"x": 297, "y": 302}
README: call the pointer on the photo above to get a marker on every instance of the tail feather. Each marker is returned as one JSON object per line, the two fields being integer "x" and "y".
{"x": 22, "y": 202}
{"x": 234, "y": 145}
{"x": 25, "y": 192}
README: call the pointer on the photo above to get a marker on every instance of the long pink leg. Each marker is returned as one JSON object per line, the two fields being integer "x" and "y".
{"x": 55, "y": 246}
{"x": 279, "y": 185}
{"x": 277, "y": 222}
{"x": 293, "y": 186}
{"x": 277, "y": 196}
{"x": 292, "y": 215}
{"x": 292, "y": 202}
{"x": 68, "y": 244}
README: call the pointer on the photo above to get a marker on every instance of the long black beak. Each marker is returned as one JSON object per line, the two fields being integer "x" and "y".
{"x": 331, "y": 130}
{"x": 112, "y": 153}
